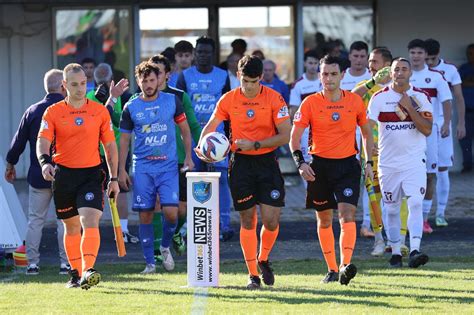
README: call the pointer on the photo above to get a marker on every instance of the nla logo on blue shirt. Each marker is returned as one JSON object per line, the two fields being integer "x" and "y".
{"x": 202, "y": 191}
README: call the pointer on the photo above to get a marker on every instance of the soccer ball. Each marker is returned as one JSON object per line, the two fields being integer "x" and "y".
{"x": 215, "y": 146}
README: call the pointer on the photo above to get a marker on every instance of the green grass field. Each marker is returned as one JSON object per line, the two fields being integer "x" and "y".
{"x": 443, "y": 286}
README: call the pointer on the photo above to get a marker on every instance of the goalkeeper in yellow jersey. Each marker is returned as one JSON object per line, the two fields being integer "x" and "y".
{"x": 379, "y": 66}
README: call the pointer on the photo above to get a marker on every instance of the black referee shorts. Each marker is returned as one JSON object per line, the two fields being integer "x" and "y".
{"x": 75, "y": 188}
{"x": 256, "y": 179}
{"x": 337, "y": 180}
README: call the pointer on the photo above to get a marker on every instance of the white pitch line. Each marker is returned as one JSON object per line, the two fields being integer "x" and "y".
{"x": 200, "y": 301}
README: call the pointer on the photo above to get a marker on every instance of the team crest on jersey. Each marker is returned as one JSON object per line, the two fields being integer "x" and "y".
{"x": 89, "y": 196}
{"x": 202, "y": 191}
{"x": 275, "y": 194}
{"x": 250, "y": 113}
{"x": 283, "y": 112}
{"x": 297, "y": 116}
{"x": 79, "y": 121}
{"x": 427, "y": 80}
{"x": 152, "y": 114}
{"x": 335, "y": 116}
{"x": 347, "y": 192}
{"x": 44, "y": 124}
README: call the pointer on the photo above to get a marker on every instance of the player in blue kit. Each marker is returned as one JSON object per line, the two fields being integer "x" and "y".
{"x": 152, "y": 117}
{"x": 205, "y": 84}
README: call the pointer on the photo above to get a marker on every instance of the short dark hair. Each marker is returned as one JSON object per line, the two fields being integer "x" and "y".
{"x": 145, "y": 68}
{"x": 470, "y": 46}
{"x": 359, "y": 45}
{"x": 239, "y": 42}
{"x": 313, "y": 53}
{"x": 204, "y": 40}
{"x": 169, "y": 53}
{"x": 329, "y": 60}
{"x": 432, "y": 46}
{"x": 183, "y": 46}
{"x": 401, "y": 59}
{"x": 88, "y": 60}
{"x": 161, "y": 59}
{"x": 384, "y": 52}
{"x": 250, "y": 66}
{"x": 417, "y": 43}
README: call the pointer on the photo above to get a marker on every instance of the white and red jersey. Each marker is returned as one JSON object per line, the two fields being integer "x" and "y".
{"x": 433, "y": 83}
{"x": 401, "y": 145}
{"x": 302, "y": 88}
{"x": 349, "y": 81}
{"x": 449, "y": 72}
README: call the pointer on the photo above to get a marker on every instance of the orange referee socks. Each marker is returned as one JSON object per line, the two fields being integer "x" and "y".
{"x": 347, "y": 241}
{"x": 248, "y": 241}
{"x": 89, "y": 247}
{"x": 267, "y": 240}
{"x": 326, "y": 239}
{"x": 72, "y": 245}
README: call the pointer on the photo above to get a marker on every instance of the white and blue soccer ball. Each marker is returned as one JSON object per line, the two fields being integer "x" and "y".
{"x": 215, "y": 146}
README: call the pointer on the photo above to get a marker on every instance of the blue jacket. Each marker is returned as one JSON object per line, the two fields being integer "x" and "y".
{"x": 28, "y": 131}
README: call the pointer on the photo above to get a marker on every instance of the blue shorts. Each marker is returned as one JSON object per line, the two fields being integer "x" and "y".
{"x": 147, "y": 185}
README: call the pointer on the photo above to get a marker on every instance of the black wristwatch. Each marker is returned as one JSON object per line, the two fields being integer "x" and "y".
{"x": 256, "y": 145}
{"x": 114, "y": 179}
{"x": 371, "y": 163}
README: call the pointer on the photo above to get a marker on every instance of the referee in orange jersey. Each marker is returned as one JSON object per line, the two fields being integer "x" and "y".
{"x": 259, "y": 123}
{"x": 334, "y": 173}
{"x": 75, "y": 126}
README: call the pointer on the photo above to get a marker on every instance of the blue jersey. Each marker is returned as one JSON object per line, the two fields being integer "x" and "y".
{"x": 204, "y": 89}
{"x": 153, "y": 123}
{"x": 173, "y": 79}
{"x": 279, "y": 86}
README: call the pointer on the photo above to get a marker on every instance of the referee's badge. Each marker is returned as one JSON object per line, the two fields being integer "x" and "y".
{"x": 335, "y": 116}
{"x": 44, "y": 125}
{"x": 89, "y": 196}
{"x": 79, "y": 121}
{"x": 275, "y": 194}
{"x": 250, "y": 113}
{"x": 347, "y": 192}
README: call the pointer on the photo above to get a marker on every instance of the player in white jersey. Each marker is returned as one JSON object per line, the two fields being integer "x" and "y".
{"x": 306, "y": 85}
{"x": 404, "y": 117}
{"x": 445, "y": 145}
{"x": 433, "y": 83}
{"x": 356, "y": 73}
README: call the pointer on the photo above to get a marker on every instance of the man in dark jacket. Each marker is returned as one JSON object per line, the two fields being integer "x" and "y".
{"x": 40, "y": 193}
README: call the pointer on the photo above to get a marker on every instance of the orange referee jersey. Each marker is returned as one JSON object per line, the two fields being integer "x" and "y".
{"x": 77, "y": 132}
{"x": 333, "y": 124}
{"x": 252, "y": 119}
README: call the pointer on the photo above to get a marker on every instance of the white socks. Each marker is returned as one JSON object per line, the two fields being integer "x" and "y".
{"x": 393, "y": 227}
{"x": 124, "y": 224}
{"x": 442, "y": 192}
{"x": 415, "y": 222}
{"x": 426, "y": 209}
